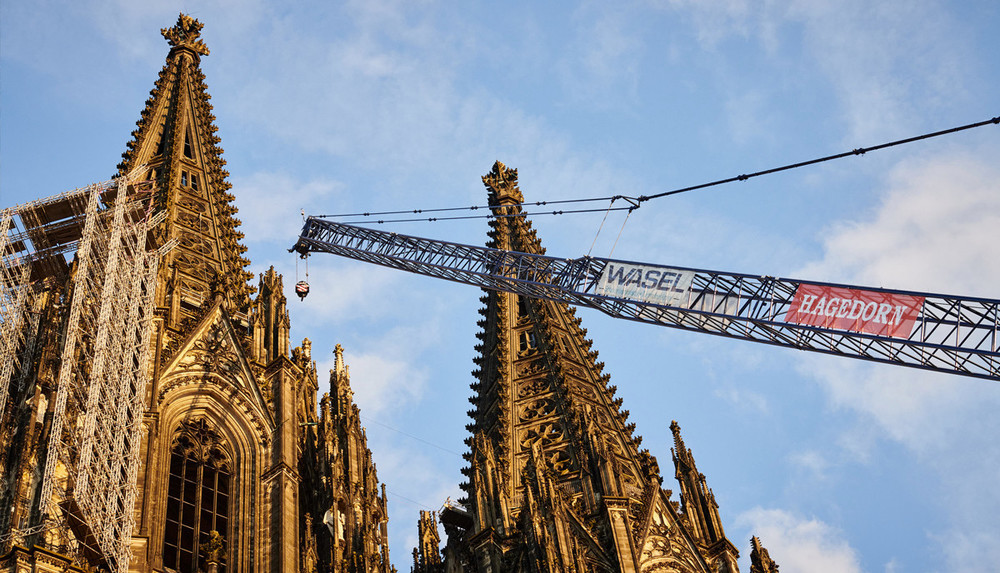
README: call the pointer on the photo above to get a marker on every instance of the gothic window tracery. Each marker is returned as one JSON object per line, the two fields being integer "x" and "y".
{"x": 538, "y": 408}
{"x": 560, "y": 462}
{"x": 198, "y": 498}
{"x": 544, "y": 434}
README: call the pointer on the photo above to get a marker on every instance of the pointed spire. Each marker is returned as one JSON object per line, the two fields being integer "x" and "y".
{"x": 760, "y": 561}
{"x": 699, "y": 505}
{"x": 427, "y": 556}
{"x": 340, "y": 382}
{"x": 683, "y": 454}
{"x": 358, "y": 503}
{"x": 175, "y": 146}
{"x": 696, "y": 502}
{"x": 269, "y": 318}
{"x": 543, "y": 415}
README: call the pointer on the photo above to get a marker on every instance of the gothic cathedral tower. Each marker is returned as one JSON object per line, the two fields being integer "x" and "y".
{"x": 556, "y": 478}
{"x": 237, "y": 467}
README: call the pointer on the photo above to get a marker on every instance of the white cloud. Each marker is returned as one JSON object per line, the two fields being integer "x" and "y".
{"x": 799, "y": 544}
{"x": 813, "y": 462}
{"x": 389, "y": 376}
{"x": 971, "y": 551}
{"x": 879, "y": 58}
{"x": 600, "y": 68}
{"x": 379, "y": 92}
{"x": 936, "y": 229}
{"x": 413, "y": 482}
{"x": 270, "y": 204}
{"x": 715, "y": 20}
{"x": 744, "y": 399}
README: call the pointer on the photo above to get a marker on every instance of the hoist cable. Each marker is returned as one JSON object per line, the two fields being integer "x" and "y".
{"x": 620, "y": 232}
{"x": 600, "y": 227}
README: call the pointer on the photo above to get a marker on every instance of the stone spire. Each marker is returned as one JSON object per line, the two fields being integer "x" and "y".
{"x": 698, "y": 504}
{"x": 269, "y": 319}
{"x": 556, "y": 478}
{"x": 338, "y": 360}
{"x": 357, "y": 506}
{"x": 176, "y": 147}
{"x": 760, "y": 561}
{"x": 340, "y": 381}
{"x": 427, "y": 555}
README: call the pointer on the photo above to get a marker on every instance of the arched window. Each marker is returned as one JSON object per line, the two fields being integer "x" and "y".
{"x": 198, "y": 496}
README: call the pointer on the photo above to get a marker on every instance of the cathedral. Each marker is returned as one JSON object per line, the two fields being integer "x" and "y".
{"x": 176, "y": 428}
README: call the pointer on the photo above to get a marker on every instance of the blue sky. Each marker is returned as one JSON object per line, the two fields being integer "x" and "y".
{"x": 837, "y": 465}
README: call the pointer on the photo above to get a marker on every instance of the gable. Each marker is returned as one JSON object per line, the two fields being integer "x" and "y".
{"x": 213, "y": 355}
{"x": 665, "y": 545}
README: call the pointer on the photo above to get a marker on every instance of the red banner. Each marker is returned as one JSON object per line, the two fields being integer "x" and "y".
{"x": 881, "y": 313}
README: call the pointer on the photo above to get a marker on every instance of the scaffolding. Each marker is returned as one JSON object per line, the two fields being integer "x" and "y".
{"x": 98, "y": 241}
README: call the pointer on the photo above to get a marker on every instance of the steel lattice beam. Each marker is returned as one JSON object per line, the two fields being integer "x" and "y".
{"x": 958, "y": 335}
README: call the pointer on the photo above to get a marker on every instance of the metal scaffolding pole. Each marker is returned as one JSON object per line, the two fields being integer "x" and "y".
{"x": 88, "y": 488}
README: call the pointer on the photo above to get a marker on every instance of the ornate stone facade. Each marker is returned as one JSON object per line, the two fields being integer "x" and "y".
{"x": 427, "y": 555}
{"x": 240, "y": 468}
{"x": 557, "y": 480}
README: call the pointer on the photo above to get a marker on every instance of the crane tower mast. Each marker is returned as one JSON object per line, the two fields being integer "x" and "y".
{"x": 943, "y": 333}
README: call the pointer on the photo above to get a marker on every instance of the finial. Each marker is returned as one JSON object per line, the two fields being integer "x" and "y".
{"x": 186, "y": 33}
{"x": 338, "y": 364}
{"x": 501, "y": 182}
{"x": 675, "y": 428}
{"x": 679, "y": 449}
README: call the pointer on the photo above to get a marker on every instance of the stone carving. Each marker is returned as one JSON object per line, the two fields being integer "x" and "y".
{"x": 559, "y": 462}
{"x": 525, "y": 369}
{"x": 192, "y": 204}
{"x": 200, "y": 442}
{"x": 196, "y": 243}
{"x": 538, "y": 409}
{"x": 186, "y": 33}
{"x": 193, "y": 221}
{"x": 584, "y": 391}
{"x": 532, "y": 387}
{"x": 215, "y": 548}
{"x": 544, "y": 435}
{"x": 194, "y": 266}
{"x": 213, "y": 352}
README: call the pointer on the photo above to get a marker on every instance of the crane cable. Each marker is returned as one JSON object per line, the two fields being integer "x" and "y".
{"x": 858, "y": 151}
{"x": 302, "y": 286}
{"x": 601, "y": 226}
{"x": 488, "y": 216}
{"x": 638, "y": 201}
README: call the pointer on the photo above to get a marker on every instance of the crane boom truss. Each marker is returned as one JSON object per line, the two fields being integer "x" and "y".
{"x": 957, "y": 335}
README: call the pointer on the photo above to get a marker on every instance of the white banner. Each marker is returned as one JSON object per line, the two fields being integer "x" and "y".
{"x": 658, "y": 285}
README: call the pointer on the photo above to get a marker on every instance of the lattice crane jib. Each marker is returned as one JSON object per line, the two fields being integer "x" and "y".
{"x": 88, "y": 484}
{"x": 943, "y": 333}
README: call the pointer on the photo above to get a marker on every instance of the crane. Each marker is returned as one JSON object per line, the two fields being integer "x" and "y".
{"x": 943, "y": 333}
